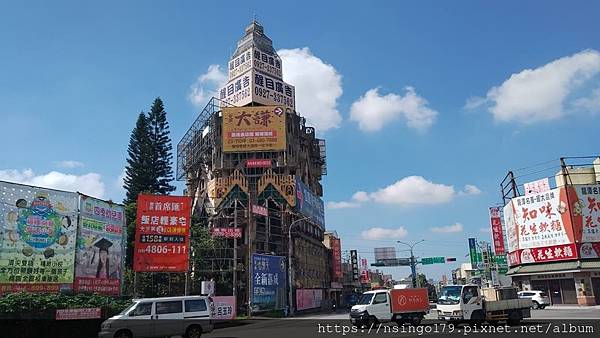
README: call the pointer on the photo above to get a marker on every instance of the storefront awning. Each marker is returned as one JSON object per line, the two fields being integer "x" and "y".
{"x": 565, "y": 267}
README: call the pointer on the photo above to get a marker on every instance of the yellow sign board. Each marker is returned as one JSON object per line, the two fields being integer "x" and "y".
{"x": 247, "y": 129}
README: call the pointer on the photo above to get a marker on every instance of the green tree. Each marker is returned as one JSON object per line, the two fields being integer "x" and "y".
{"x": 161, "y": 171}
{"x": 138, "y": 177}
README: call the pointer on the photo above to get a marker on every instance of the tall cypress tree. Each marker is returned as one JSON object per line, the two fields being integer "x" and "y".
{"x": 161, "y": 170}
{"x": 138, "y": 175}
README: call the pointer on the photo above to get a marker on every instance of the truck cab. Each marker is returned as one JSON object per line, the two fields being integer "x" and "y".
{"x": 458, "y": 302}
{"x": 372, "y": 306}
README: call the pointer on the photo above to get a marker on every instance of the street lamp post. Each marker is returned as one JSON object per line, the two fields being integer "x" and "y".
{"x": 413, "y": 262}
{"x": 290, "y": 268}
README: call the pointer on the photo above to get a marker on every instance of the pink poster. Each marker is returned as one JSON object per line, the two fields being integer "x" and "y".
{"x": 224, "y": 307}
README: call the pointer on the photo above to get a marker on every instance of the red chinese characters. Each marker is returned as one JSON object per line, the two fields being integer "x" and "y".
{"x": 162, "y": 233}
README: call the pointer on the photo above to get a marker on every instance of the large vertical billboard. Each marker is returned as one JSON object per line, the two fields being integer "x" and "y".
{"x": 248, "y": 129}
{"x": 309, "y": 204}
{"x": 38, "y": 229}
{"x": 336, "y": 250}
{"x": 497, "y": 232}
{"x": 585, "y": 209}
{"x": 162, "y": 233}
{"x": 100, "y": 246}
{"x": 267, "y": 287}
{"x": 254, "y": 86}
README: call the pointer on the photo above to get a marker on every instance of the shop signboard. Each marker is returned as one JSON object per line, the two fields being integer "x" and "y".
{"x": 162, "y": 233}
{"x": 497, "y": 232}
{"x": 37, "y": 238}
{"x": 336, "y": 251}
{"x": 268, "y": 282}
{"x": 99, "y": 255}
{"x": 354, "y": 264}
{"x": 250, "y": 129}
{"x": 225, "y": 307}
{"x": 309, "y": 204}
{"x": 586, "y": 213}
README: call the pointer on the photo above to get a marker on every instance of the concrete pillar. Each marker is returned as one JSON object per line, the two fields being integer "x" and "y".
{"x": 583, "y": 287}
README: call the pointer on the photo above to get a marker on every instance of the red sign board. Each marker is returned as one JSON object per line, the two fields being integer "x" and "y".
{"x": 552, "y": 253}
{"x": 70, "y": 314}
{"x": 409, "y": 300}
{"x": 497, "y": 232}
{"x": 226, "y": 232}
{"x": 260, "y": 210}
{"x": 254, "y": 163}
{"x": 162, "y": 233}
{"x": 336, "y": 249}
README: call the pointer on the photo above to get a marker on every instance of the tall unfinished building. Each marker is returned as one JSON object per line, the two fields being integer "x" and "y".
{"x": 253, "y": 168}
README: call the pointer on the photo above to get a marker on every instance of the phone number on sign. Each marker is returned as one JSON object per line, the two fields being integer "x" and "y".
{"x": 276, "y": 97}
{"x": 164, "y": 249}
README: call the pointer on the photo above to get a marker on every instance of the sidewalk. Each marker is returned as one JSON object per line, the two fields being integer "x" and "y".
{"x": 572, "y": 307}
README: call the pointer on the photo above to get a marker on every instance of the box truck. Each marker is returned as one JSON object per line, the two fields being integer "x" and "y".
{"x": 397, "y": 305}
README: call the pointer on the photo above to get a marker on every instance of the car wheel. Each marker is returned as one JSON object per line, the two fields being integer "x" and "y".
{"x": 193, "y": 331}
{"x": 535, "y": 305}
{"x": 123, "y": 334}
{"x": 543, "y": 306}
{"x": 415, "y": 321}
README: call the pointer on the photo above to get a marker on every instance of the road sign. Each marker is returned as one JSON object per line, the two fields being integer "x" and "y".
{"x": 392, "y": 262}
{"x": 433, "y": 260}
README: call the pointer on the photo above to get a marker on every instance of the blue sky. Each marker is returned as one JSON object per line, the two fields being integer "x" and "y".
{"x": 74, "y": 76}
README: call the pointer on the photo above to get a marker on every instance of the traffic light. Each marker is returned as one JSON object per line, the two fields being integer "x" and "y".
{"x": 450, "y": 259}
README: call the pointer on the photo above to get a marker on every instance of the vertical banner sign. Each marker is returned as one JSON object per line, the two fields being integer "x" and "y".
{"x": 497, "y": 233}
{"x": 336, "y": 249}
{"x": 364, "y": 271}
{"x": 354, "y": 264}
{"x": 162, "y": 233}
{"x": 100, "y": 247}
{"x": 37, "y": 238}
{"x": 309, "y": 204}
{"x": 473, "y": 252}
{"x": 268, "y": 282}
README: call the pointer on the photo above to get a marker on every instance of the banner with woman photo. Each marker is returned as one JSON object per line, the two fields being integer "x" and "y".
{"x": 100, "y": 252}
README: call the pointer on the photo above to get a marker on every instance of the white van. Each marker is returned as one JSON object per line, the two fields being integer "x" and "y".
{"x": 187, "y": 316}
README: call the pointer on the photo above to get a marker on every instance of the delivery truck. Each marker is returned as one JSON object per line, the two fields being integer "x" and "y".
{"x": 471, "y": 303}
{"x": 397, "y": 305}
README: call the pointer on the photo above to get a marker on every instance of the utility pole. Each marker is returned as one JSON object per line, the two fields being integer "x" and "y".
{"x": 413, "y": 262}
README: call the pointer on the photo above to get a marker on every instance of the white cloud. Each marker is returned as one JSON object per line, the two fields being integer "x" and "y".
{"x": 342, "y": 205}
{"x": 318, "y": 87}
{"x": 539, "y": 94}
{"x": 360, "y": 196}
{"x": 590, "y": 103}
{"x": 470, "y": 189}
{"x": 372, "y": 110}
{"x": 413, "y": 190}
{"x": 456, "y": 227}
{"x": 485, "y": 230}
{"x": 384, "y": 233}
{"x": 69, "y": 164}
{"x": 89, "y": 184}
{"x": 207, "y": 85}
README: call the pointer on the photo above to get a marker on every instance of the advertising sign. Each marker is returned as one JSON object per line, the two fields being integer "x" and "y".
{"x": 309, "y": 204}
{"x": 537, "y": 187}
{"x": 225, "y": 308}
{"x": 100, "y": 242}
{"x": 308, "y": 298}
{"x": 589, "y": 250}
{"x": 254, "y": 129}
{"x": 268, "y": 282}
{"x": 240, "y": 64}
{"x": 226, "y": 232}
{"x": 497, "y": 232}
{"x": 586, "y": 212}
{"x": 364, "y": 271}
{"x": 543, "y": 254}
{"x": 37, "y": 238}
{"x": 260, "y": 210}
{"x": 85, "y": 313}
{"x": 258, "y": 163}
{"x": 409, "y": 300}
{"x": 385, "y": 253}
{"x": 162, "y": 233}
{"x": 354, "y": 264}
{"x": 262, "y": 62}
{"x": 253, "y": 86}
{"x": 336, "y": 249}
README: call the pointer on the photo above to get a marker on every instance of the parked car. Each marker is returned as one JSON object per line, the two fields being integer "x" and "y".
{"x": 187, "y": 316}
{"x": 540, "y": 299}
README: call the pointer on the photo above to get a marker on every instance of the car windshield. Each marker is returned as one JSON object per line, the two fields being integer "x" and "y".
{"x": 450, "y": 295}
{"x": 128, "y": 308}
{"x": 365, "y": 299}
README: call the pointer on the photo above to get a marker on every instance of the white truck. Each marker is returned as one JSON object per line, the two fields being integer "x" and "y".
{"x": 471, "y": 303}
{"x": 396, "y": 305}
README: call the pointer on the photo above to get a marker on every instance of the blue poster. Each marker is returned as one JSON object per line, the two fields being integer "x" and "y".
{"x": 309, "y": 204}
{"x": 268, "y": 282}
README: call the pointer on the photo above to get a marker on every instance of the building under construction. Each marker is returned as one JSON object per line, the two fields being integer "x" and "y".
{"x": 249, "y": 185}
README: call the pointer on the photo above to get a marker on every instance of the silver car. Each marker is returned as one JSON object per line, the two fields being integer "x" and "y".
{"x": 187, "y": 316}
{"x": 539, "y": 299}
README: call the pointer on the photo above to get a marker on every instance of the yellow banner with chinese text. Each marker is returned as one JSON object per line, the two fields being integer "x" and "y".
{"x": 247, "y": 129}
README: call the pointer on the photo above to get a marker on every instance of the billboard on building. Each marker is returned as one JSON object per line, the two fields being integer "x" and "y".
{"x": 248, "y": 129}
{"x": 354, "y": 265}
{"x": 308, "y": 299}
{"x": 37, "y": 239}
{"x": 253, "y": 86}
{"x": 101, "y": 238}
{"x": 537, "y": 187}
{"x": 309, "y": 204}
{"x": 268, "y": 282}
{"x": 385, "y": 253}
{"x": 336, "y": 249}
{"x": 497, "y": 232}
{"x": 269, "y": 64}
{"x": 162, "y": 233}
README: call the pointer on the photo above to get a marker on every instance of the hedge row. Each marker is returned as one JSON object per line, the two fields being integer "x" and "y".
{"x": 29, "y": 303}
